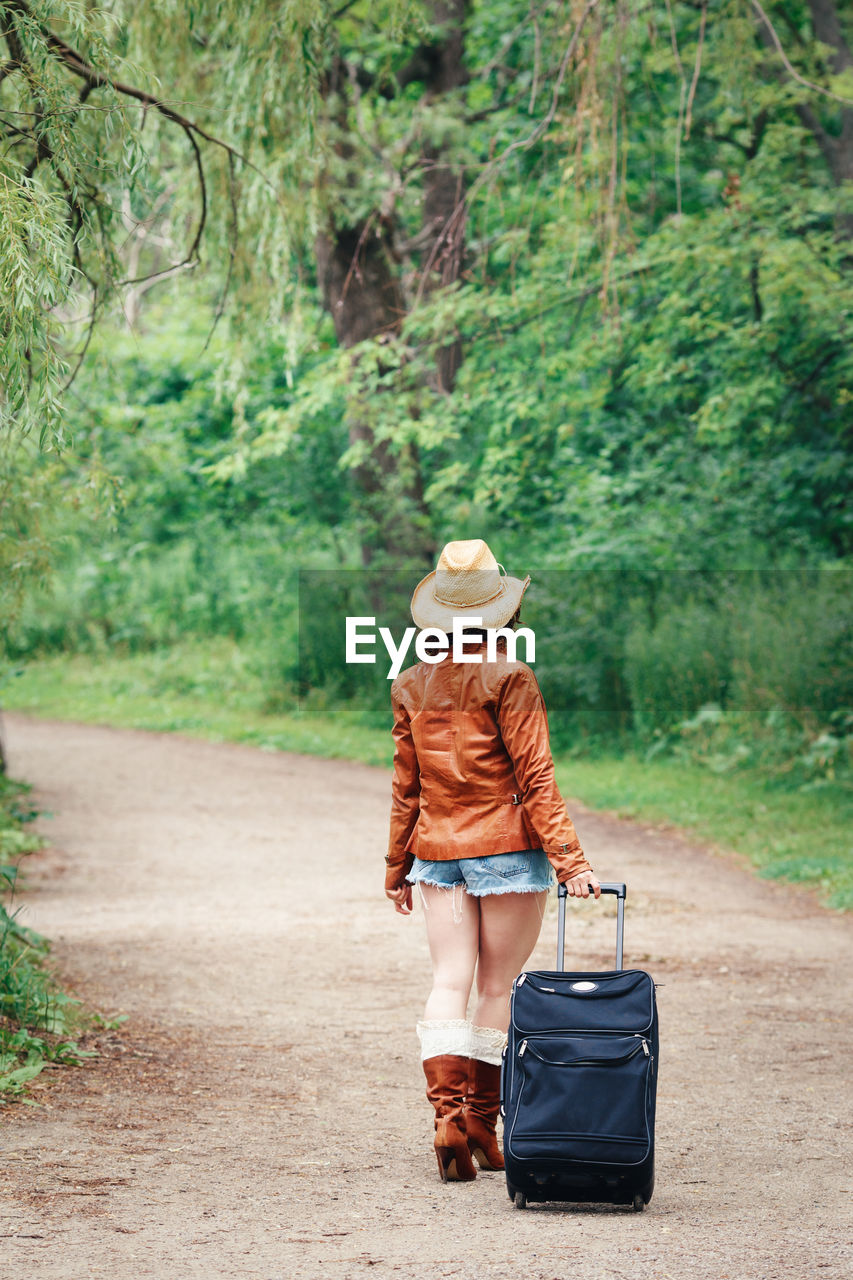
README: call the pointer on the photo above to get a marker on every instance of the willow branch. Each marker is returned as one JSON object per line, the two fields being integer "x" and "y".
{"x": 456, "y": 220}
{"x": 339, "y": 13}
{"x": 232, "y": 253}
{"x": 697, "y": 67}
{"x": 77, "y": 64}
{"x": 90, "y": 329}
{"x": 190, "y": 257}
{"x": 682, "y": 98}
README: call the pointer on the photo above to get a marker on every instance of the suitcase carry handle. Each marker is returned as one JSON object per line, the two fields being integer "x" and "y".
{"x": 620, "y": 893}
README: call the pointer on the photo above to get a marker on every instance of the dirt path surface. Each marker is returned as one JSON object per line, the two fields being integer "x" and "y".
{"x": 261, "y": 1114}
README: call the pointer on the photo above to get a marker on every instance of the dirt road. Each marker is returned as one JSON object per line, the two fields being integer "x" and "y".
{"x": 261, "y": 1114}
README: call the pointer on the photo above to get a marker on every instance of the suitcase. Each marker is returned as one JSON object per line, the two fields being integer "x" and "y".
{"x": 579, "y": 1081}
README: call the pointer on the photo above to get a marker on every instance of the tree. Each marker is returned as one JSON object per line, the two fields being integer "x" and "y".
{"x": 532, "y": 188}
{"x": 831, "y": 58}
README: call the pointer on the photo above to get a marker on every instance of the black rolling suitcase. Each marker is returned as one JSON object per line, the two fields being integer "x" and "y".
{"x": 579, "y": 1081}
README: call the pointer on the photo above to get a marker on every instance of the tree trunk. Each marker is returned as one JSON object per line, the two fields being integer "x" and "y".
{"x": 360, "y": 281}
{"x": 362, "y": 293}
{"x": 836, "y": 148}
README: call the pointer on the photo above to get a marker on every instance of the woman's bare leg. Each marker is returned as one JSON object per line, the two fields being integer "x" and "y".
{"x": 509, "y": 927}
{"x": 453, "y": 929}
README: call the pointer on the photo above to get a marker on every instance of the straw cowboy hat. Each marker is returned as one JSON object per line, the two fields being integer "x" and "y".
{"x": 467, "y": 582}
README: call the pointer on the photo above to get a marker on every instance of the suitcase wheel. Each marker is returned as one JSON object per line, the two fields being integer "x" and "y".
{"x": 520, "y": 1200}
{"x": 639, "y": 1204}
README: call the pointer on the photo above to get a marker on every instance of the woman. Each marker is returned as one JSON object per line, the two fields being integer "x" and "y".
{"x": 477, "y": 823}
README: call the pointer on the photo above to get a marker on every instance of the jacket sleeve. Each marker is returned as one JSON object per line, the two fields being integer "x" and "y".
{"x": 524, "y": 729}
{"x": 405, "y": 796}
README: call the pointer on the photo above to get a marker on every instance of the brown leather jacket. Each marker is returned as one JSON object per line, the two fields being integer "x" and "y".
{"x": 473, "y": 773}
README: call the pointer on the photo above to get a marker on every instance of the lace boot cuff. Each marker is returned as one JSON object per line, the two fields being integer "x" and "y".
{"x": 487, "y": 1044}
{"x": 439, "y": 1037}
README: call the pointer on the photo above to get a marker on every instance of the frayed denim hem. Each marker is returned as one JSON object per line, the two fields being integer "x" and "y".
{"x": 456, "y": 906}
{"x": 457, "y": 900}
{"x": 435, "y": 884}
{"x": 482, "y": 893}
{"x": 517, "y": 871}
{"x": 509, "y": 888}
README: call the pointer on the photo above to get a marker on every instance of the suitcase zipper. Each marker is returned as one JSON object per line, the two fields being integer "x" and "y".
{"x": 587, "y": 1062}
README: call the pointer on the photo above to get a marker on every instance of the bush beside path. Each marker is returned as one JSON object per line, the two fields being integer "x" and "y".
{"x": 261, "y": 1113}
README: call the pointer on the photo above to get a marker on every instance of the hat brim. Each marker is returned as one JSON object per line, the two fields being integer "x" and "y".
{"x": 429, "y": 612}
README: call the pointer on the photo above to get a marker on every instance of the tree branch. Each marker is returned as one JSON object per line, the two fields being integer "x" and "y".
{"x": 521, "y": 144}
{"x": 792, "y": 70}
{"x": 339, "y": 13}
{"x": 190, "y": 258}
{"x": 749, "y": 149}
{"x": 755, "y": 290}
{"x": 232, "y": 254}
{"x": 70, "y": 58}
{"x": 827, "y": 28}
{"x": 825, "y": 140}
{"x": 78, "y": 65}
{"x": 688, "y": 116}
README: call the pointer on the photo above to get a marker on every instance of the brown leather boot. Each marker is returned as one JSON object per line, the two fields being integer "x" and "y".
{"x": 447, "y": 1084}
{"x": 481, "y": 1113}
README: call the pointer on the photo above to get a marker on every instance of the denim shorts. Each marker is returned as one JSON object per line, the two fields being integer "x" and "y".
{"x": 528, "y": 871}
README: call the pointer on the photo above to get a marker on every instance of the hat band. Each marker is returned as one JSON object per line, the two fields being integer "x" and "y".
{"x": 455, "y": 601}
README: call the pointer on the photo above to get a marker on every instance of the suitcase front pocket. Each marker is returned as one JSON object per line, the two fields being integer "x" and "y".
{"x": 582, "y": 1098}
{"x": 547, "y": 1004}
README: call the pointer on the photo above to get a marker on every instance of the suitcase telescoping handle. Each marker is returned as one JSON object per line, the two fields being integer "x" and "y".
{"x": 619, "y": 891}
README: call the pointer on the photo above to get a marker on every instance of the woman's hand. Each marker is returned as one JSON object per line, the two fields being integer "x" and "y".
{"x": 580, "y": 885}
{"x": 402, "y": 899}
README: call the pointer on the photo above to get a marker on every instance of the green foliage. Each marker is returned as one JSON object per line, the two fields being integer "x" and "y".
{"x": 34, "y": 281}
{"x": 153, "y": 545}
{"x": 106, "y": 186}
{"x": 25, "y": 493}
{"x": 652, "y": 416}
{"x": 654, "y": 303}
{"x": 676, "y": 666}
{"x": 657, "y": 375}
{"x": 782, "y": 748}
{"x": 35, "y": 1015}
{"x": 64, "y": 163}
{"x": 755, "y": 643}
{"x": 181, "y": 537}
{"x": 15, "y": 813}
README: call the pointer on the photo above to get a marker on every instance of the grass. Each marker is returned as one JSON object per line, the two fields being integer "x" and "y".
{"x": 208, "y": 691}
{"x": 211, "y": 690}
{"x": 801, "y": 835}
